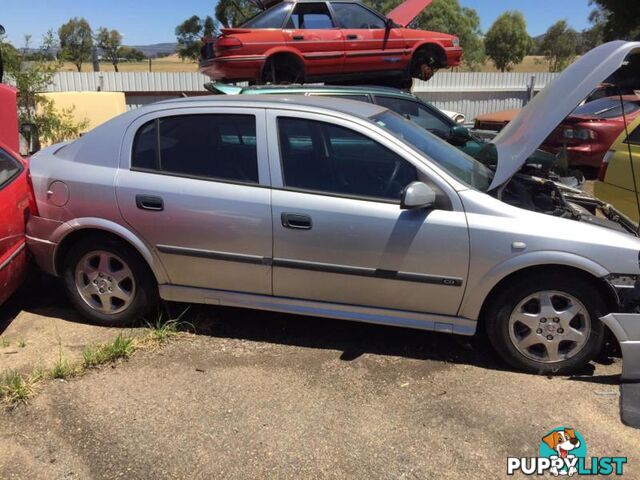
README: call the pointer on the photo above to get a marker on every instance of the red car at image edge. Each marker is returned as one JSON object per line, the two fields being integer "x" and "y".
{"x": 16, "y": 198}
{"x": 296, "y": 41}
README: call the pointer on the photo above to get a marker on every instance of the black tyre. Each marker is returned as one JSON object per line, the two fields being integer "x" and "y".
{"x": 282, "y": 70}
{"x": 108, "y": 282}
{"x": 547, "y": 323}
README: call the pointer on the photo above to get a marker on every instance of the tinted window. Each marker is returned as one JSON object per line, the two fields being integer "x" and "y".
{"x": 606, "y": 108}
{"x": 634, "y": 137}
{"x": 211, "y": 146}
{"x": 352, "y": 15}
{"x": 272, "y": 18}
{"x": 327, "y": 158}
{"x": 309, "y": 16}
{"x": 418, "y": 113}
{"x": 9, "y": 168}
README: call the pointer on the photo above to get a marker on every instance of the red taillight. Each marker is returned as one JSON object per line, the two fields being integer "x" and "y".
{"x": 605, "y": 163}
{"x": 33, "y": 206}
{"x": 228, "y": 43}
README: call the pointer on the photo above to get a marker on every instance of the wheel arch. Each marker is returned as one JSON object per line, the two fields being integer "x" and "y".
{"x": 108, "y": 230}
{"x": 608, "y": 294}
{"x": 282, "y": 52}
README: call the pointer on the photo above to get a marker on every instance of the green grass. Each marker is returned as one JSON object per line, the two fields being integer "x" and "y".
{"x": 15, "y": 387}
{"x": 61, "y": 369}
{"x": 120, "y": 347}
{"x": 161, "y": 331}
{"x": 5, "y": 342}
{"x": 22, "y": 343}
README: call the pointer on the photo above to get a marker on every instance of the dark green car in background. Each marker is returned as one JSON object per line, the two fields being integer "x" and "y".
{"x": 410, "y": 107}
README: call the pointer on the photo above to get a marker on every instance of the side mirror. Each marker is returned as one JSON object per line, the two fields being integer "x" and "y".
{"x": 30, "y": 133}
{"x": 417, "y": 195}
{"x": 460, "y": 133}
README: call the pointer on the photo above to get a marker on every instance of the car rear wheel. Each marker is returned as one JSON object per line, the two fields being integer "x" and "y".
{"x": 547, "y": 323}
{"x": 108, "y": 282}
{"x": 282, "y": 70}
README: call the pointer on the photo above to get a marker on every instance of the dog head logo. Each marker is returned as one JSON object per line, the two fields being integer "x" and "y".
{"x": 563, "y": 441}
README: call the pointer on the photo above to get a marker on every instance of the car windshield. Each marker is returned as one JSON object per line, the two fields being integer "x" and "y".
{"x": 606, "y": 108}
{"x": 457, "y": 163}
{"x": 271, "y": 18}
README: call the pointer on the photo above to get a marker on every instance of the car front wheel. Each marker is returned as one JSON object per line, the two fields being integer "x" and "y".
{"x": 547, "y": 324}
{"x": 108, "y": 282}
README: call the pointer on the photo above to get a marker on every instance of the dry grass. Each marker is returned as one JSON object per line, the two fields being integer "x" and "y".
{"x": 530, "y": 63}
{"x": 166, "y": 64}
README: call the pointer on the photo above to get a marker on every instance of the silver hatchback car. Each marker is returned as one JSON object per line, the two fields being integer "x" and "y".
{"x": 336, "y": 208}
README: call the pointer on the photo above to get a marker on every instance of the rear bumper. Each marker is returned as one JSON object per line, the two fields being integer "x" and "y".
{"x": 626, "y": 328}
{"x": 454, "y": 56}
{"x": 41, "y": 240}
{"x": 233, "y": 67}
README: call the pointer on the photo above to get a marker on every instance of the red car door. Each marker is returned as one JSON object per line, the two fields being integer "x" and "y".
{"x": 15, "y": 201}
{"x": 312, "y": 31}
{"x": 369, "y": 45}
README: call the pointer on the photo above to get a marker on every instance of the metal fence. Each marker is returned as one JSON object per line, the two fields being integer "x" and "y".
{"x": 471, "y": 93}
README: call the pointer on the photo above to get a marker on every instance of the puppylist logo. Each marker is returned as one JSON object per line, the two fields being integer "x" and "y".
{"x": 563, "y": 451}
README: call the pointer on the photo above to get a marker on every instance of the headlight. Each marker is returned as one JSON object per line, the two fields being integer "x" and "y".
{"x": 460, "y": 119}
{"x": 455, "y": 42}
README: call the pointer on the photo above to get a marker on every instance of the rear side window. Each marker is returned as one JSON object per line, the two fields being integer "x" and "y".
{"x": 10, "y": 168}
{"x": 272, "y": 18}
{"x": 417, "y": 113}
{"x": 634, "y": 137}
{"x": 204, "y": 146}
{"x": 310, "y": 16}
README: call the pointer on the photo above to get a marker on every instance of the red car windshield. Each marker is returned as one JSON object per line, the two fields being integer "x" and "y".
{"x": 606, "y": 108}
{"x": 271, "y": 18}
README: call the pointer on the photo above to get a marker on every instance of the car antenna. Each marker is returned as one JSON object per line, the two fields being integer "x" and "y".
{"x": 626, "y": 134}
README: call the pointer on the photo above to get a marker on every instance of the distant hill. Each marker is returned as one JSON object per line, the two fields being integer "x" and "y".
{"x": 157, "y": 49}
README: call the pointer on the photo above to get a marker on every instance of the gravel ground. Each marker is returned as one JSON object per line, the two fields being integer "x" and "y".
{"x": 264, "y": 395}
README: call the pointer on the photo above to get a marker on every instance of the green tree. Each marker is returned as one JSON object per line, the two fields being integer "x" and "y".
{"x": 620, "y": 19}
{"x": 231, "y": 13}
{"x": 208, "y": 27}
{"x": 32, "y": 77}
{"x": 507, "y": 41}
{"x": 110, "y": 41}
{"x": 189, "y": 34}
{"x": 76, "y": 41}
{"x": 132, "y": 54}
{"x": 559, "y": 46}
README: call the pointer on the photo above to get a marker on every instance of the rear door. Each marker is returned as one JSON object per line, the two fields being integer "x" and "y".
{"x": 369, "y": 46}
{"x": 14, "y": 208}
{"x": 312, "y": 31}
{"x": 194, "y": 187}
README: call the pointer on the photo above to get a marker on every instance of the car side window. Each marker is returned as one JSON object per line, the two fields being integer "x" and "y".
{"x": 323, "y": 157}
{"x": 271, "y": 18}
{"x": 634, "y": 137}
{"x": 310, "y": 16}
{"x": 417, "y": 113}
{"x": 9, "y": 168}
{"x": 220, "y": 146}
{"x": 352, "y": 15}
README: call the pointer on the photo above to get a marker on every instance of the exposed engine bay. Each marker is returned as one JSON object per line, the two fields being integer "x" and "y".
{"x": 545, "y": 196}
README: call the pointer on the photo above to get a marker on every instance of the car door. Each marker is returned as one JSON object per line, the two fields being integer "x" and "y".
{"x": 14, "y": 207}
{"x": 192, "y": 184}
{"x": 339, "y": 233}
{"x": 311, "y": 30}
{"x": 369, "y": 45}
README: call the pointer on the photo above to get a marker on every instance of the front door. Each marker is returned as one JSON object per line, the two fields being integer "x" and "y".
{"x": 195, "y": 192}
{"x": 311, "y": 30}
{"x": 369, "y": 45}
{"x": 339, "y": 233}
{"x": 14, "y": 204}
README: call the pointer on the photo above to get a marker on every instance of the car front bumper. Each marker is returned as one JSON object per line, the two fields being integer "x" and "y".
{"x": 454, "y": 56}
{"x": 626, "y": 328}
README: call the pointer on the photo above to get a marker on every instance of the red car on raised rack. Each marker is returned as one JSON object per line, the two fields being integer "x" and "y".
{"x": 296, "y": 41}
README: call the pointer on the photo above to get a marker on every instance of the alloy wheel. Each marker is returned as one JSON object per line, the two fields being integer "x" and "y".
{"x": 549, "y": 326}
{"x": 105, "y": 282}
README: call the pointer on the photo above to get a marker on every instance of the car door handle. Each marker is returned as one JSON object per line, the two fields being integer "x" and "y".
{"x": 298, "y": 37}
{"x": 352, "y": 37}
{"x": 296, "y": 221}
{"x": 149, "y": 202}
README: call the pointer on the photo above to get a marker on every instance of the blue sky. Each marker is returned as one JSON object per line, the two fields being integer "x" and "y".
{"x": 152, "y": 21}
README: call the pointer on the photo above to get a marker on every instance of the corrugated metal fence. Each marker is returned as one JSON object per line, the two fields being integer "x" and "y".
{"x": 471, "y": 93}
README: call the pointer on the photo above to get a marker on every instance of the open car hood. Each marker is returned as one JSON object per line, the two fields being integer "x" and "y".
{"x": 526, "y": 132}
{"x": 407, "y": 11}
